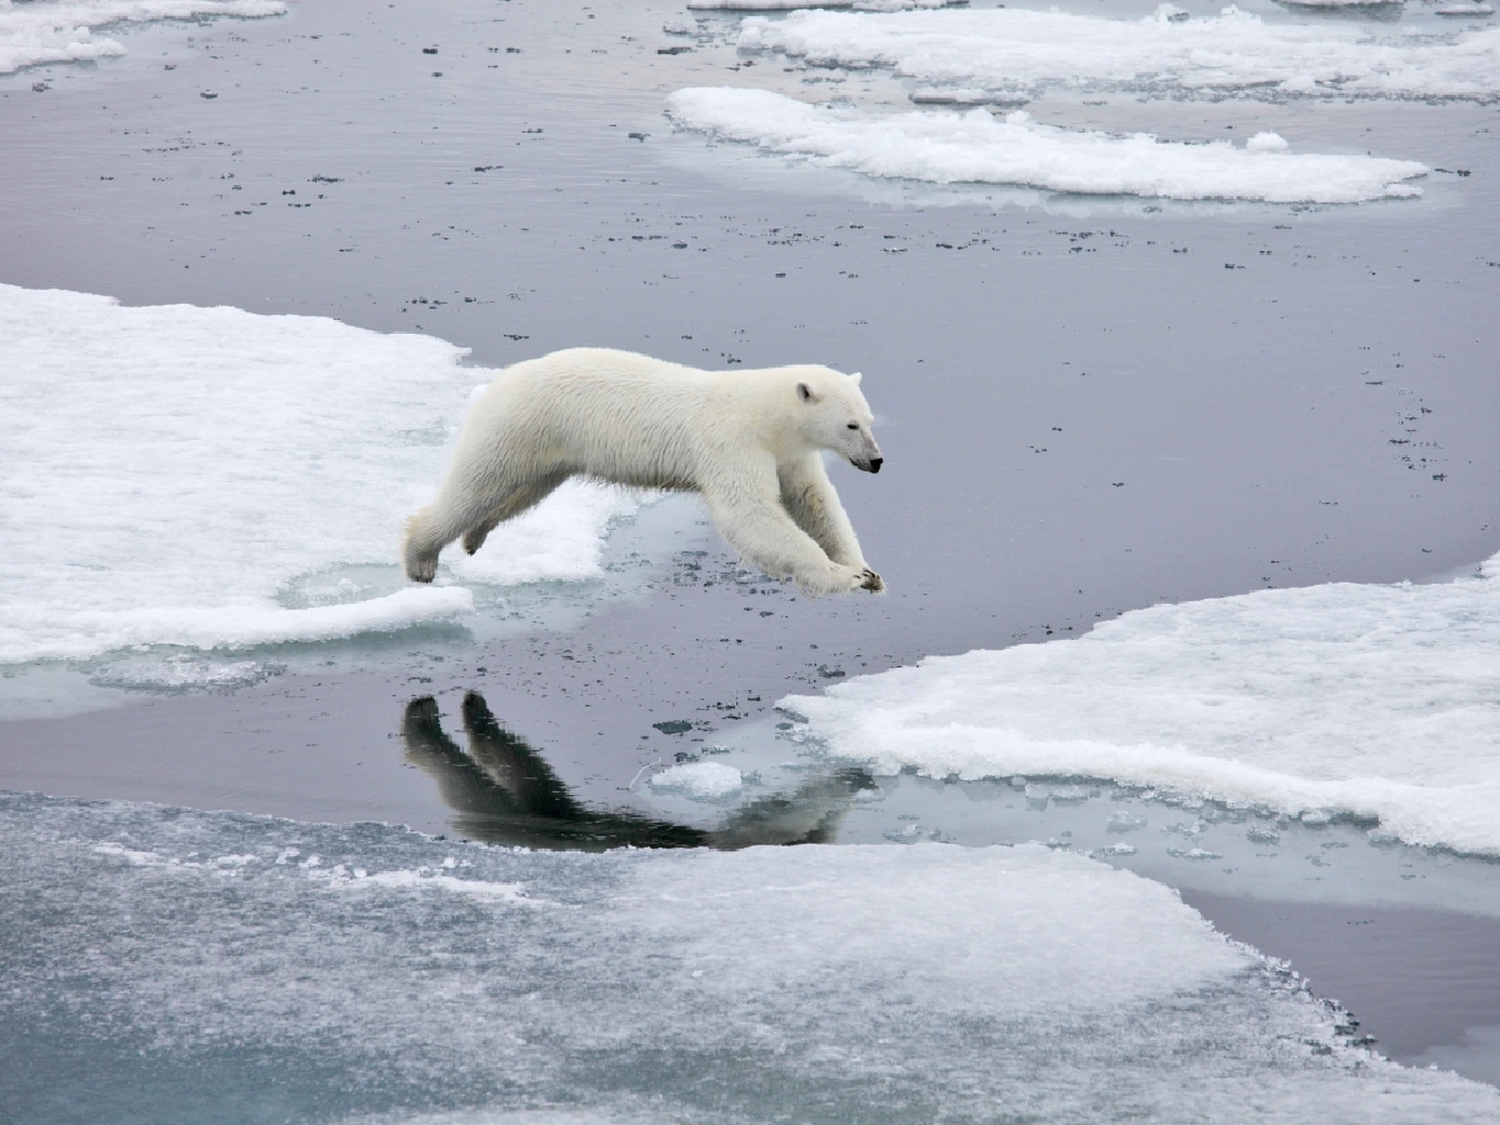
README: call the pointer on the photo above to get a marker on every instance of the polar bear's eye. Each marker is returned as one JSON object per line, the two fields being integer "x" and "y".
{"x": 854, "y": 425}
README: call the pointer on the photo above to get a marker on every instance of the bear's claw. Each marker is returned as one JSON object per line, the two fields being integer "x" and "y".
{"x": 872, "y": 582}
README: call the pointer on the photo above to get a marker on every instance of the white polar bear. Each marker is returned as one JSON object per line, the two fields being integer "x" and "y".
{"x": 749, "y": 441}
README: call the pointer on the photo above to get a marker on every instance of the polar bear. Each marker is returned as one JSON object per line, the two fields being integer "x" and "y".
{"x": 749, "y": 441}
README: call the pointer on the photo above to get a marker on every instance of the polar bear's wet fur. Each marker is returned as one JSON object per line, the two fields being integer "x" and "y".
{"x": 749, "y": 441}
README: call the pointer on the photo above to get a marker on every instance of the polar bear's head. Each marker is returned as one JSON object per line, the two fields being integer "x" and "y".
{"x": 834, "y": 415}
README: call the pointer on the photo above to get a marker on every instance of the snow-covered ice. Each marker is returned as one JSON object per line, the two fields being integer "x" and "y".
{"x": 181, "y": 475}
{"x": 703, "y": 781}
{"x": 1465, "y": 10}
{"x": 975, "y": 146}
{"x": 48, "y": 31}
{"x": 1374, "y": 701}
{"x": 1019, "y": 49}
{"x": 320, "y": 972}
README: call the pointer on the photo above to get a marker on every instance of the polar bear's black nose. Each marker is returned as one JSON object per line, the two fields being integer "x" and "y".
{"x": 875, "y": 463}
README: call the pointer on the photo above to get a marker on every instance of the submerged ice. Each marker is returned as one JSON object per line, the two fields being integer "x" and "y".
{"x": 49, "y": 31}
{"x": 1015, "y": 48}
{"x": 175, "y": 474}
{"x": 178, "y": 965}
{"x": 946, "y": 147}
{"x": 1372, "y": 701}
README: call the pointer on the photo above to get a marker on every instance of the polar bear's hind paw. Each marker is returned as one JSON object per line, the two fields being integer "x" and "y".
{"x": 473, "y": 540}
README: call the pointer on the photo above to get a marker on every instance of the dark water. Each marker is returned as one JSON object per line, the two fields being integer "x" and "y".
{"x": 1083, "y": 410}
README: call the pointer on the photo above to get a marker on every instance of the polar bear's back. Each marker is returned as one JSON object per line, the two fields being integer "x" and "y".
{"x": 610, "y": 414}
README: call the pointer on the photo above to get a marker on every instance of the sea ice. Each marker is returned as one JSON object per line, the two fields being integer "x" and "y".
{"x": 1375, "y": 701}
{"x": 172, "y": 472}
{"x": 976, "y": 147}
{"x": 1016, "y": 48}
{"x": 172, "y": 965}
{"x": 704, "y": 781}
{"x": 50, "y": 31}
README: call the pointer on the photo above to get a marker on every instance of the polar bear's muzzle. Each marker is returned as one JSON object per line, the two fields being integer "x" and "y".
{"x": 872, "y": 465}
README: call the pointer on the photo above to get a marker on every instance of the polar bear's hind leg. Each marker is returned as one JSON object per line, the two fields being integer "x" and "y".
{"x": 472, "y": 511}
{"x": 522, "y": 499}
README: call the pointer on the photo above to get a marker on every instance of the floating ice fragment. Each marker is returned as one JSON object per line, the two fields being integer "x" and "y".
{"x": 1015, "y": 47}
{"x": 1465, "y": 10}
{"x": 1117, "y": 849}
{"x": 35, "y": 33}
{"x": 184, "y": 674}
{"x": 1260, "y": 834}
{"x": 1266, "y": 142}
{"x": 1125, "y": 822}
{"x": 1316, "y": 818}
{"x": 975, "y": 147}
{"x": 1193, "y": 853}
{"x": 702, "y": 781}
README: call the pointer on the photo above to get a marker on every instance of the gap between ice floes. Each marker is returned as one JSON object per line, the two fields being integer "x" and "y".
{"x": 1014, "y": 48}
{"x": 50, "y": 32}
{"x": 1372, "y": 701}
{"x": 942, "y": 147}
{"x": 172, "y": 472}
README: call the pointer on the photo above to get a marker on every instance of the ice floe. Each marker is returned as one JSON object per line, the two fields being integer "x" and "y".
{"x": 704, "y": 781}
{"x": 1367, "y": 700}
{"x": 1018, "y": 49}
{"x": 175, "y": 474}
{"x": 167, "y": 960}
{"x": 975, "y": 146}
{"x": 49, "y": 31}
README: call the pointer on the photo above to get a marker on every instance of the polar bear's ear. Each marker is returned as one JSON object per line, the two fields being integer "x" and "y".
{"x": 856, "y": 377}
{"x": 806, "y": 393}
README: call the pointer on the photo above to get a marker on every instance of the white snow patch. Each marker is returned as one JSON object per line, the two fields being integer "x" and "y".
{"x": 704, "y": 781}
{"x": 172, "y": 471}
{"x": 1014, "y": 48}
{"x": 1378, "y": 701}
{"x": 1465, "y": 10}
{"x": 49, "y": 31}
{"x": 976, "y": 147}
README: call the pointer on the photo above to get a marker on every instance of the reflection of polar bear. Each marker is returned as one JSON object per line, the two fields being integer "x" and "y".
{"x": 749, "y": 441}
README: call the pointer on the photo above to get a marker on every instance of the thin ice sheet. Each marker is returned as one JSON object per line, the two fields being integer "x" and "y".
{"x": 180, "y": 966}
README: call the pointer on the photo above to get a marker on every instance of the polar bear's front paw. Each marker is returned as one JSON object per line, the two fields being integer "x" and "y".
{"x": 872, "y": 582}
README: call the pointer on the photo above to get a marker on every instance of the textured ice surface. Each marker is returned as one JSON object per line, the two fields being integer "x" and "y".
{"x": 182, "y": 673}
{"x": 701, "y": 780}
{"x": 1015, "y": 48}
{"x": 182, "y": 475}
{"x": 1378, "y": 701}
{"x": 177, "y": 966}
{"x": 49, "y": 31}
{"x": 977, "y": 147}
